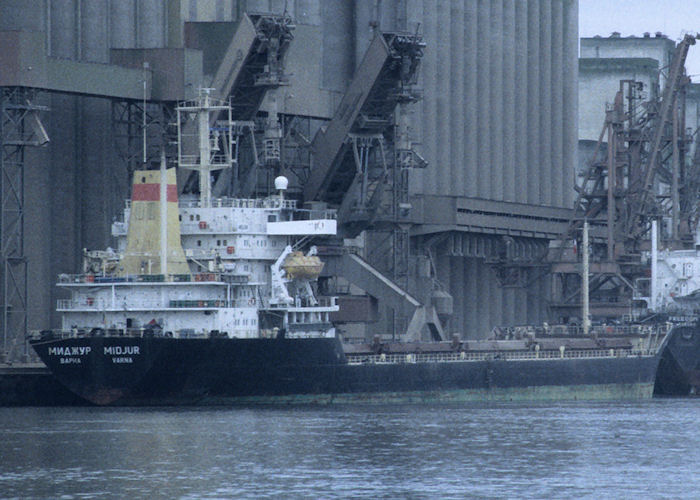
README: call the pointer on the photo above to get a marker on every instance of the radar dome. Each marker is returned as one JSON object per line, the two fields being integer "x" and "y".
{"x": 281, "y": 183}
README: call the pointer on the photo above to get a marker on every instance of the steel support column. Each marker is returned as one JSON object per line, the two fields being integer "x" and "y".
{"x": 19, "y": 127}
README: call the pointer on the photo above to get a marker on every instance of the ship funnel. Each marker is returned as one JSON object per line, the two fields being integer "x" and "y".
{"x": 153, "y": 240}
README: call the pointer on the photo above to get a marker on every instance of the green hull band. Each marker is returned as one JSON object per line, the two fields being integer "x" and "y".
{"x": 603, "y": 392}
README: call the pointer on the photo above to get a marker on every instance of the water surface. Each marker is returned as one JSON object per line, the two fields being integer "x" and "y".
{"x": 648, "y": 449}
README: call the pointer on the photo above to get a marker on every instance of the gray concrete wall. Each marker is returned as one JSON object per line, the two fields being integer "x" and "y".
{"x": 655, "y": 47}
{"x": 498, "y": 120}
{"x": 480, "y": 303}
{"x": 692, "y": 114}
{"x": 499, "y": 111}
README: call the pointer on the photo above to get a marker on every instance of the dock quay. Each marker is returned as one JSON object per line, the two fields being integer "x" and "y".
{"x": 31, "y": 384}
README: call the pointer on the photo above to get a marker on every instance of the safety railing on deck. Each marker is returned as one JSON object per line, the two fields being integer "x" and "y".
{"x": 543, "y": 331}
{"x": 269, "y": 203}
{"x": 152, "y": 278}
{"x": 88, "y": 304}
{"x": 92, "y": 304}
{"x": 242, "y": 203}
{"x": 111, "y": 332}
{"x": 495, "y": 356}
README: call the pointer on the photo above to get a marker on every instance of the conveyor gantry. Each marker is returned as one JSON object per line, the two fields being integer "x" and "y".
{"x": 365, "y": 114}
{"x": 365, "y": 276}
{"x": 253, "y": 62}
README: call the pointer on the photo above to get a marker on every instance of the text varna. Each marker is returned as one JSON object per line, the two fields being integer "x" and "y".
{"x": 72, "y": 354}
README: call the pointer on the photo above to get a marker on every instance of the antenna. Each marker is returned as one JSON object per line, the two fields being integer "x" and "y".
{"x": 143, "y": 125}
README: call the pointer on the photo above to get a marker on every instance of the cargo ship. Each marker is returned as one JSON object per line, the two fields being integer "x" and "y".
{"x": 672, "y": 291}
{"x": 111, "y": 368}
{"x": 214, "y": 301}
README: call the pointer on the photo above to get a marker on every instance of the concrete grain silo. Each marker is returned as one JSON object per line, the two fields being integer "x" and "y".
{"x": 497, "y": 124}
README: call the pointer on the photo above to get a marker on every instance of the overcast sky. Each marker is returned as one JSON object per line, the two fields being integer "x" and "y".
{"x": 634, "y": 17}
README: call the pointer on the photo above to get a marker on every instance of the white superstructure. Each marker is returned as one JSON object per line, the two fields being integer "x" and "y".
{"x": 674, "y": 284}
{"x": 243, "y": 273}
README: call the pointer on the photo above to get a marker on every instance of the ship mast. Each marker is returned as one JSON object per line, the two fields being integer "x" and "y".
{"x": 200, "y": 142}
{"x": 585, "y": 271}
{"x": 163, "y": 217}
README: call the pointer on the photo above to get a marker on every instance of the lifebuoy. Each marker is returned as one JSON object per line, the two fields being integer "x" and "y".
{"x": 252, "y": 301}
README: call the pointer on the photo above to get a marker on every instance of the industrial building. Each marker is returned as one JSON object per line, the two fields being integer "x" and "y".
{"x": 606, "y": 61}
{"x": 488, "y": 126}
{"x": 657, "y": 46}
{"x": 638, "y": 163}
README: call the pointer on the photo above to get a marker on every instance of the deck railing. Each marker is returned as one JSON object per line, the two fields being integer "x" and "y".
{"x": 93, "y": 304}
{"x": 59, "y": 334}
{"x": 107, "y": 305}
{"x": 542, "y": 331}
{"x": 356, "y": 359}
{"x": 151, "y": 278}
{"x": 267, "y": 203}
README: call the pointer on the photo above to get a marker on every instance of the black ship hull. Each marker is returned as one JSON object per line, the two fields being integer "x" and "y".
{"x": 167, "y": 371}
{"x": 679, "y": 368}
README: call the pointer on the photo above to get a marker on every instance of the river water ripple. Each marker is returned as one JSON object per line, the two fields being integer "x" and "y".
{"x": 648, "y": 449}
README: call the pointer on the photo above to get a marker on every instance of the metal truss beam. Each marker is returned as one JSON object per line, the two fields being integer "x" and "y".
{"x": 141, "y": 131}
{"x": 19, "y": 127}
